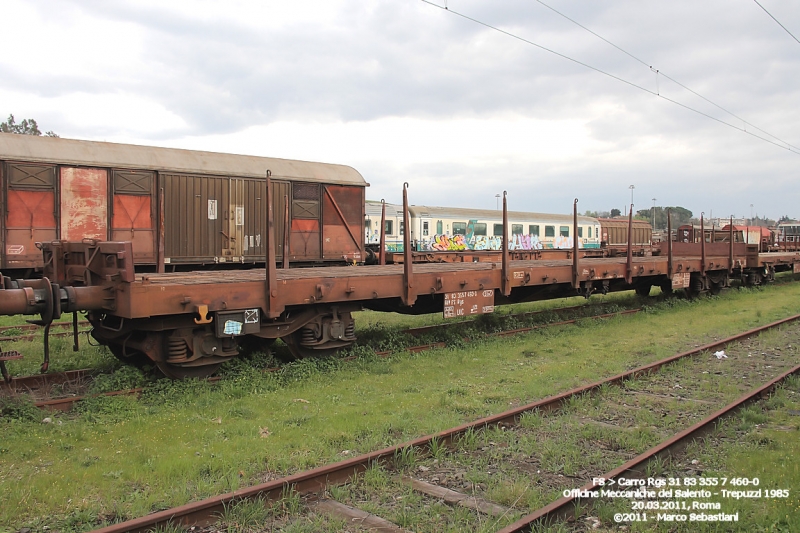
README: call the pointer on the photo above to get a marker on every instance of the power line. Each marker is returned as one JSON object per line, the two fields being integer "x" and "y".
{"x": 776, "y": 20}
{"x": 787, "y": 146}
{"x": 660, "y": 72}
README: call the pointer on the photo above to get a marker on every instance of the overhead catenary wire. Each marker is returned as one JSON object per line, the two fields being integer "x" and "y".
{"x": 659, "y": 72}
{"x": 776, "y": 20}
{"x": 784, "y": 145}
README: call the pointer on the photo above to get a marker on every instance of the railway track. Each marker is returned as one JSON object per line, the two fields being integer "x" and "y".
{"x": 632, "y": 421}
{"x": 60, "y": 391}
{"x": 32, "y": 329}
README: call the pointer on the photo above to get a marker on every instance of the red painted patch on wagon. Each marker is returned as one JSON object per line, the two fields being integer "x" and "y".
{"x": 84, "y": 204}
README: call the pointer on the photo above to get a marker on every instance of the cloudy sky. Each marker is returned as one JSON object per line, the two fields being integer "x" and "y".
{"x": 403, "y": 90}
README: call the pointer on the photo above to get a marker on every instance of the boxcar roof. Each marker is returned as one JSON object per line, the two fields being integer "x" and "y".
{"x": 31, "y": 148}
{"x": 622, "y": 222}
{"x": 491, "y": 214}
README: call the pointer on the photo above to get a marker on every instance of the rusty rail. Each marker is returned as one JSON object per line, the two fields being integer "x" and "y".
{"x": 207, "y": 511}
{"x": 635, "y": 467}
{"x": 65, "y": 404}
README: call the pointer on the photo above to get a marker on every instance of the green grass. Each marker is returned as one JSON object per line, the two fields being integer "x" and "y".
{"x": 760, "y": 441}
{"x": 118, "y": 458}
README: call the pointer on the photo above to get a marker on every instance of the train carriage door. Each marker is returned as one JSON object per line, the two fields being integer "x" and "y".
{"x": 84, "y": 203}
{"x": 132, "y": 211}
{"x": 424, "y": 236}
{"x": 304, "y": 236}
{"x": 233, "y": 242}
{"x": 342, "y": 222}
{"x": 30, "y": 212}
{"x": 280, "y": 195}
{"x": 195, "y": 223}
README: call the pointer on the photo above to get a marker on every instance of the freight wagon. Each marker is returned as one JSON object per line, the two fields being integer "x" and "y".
{"x": 180, "y": 208}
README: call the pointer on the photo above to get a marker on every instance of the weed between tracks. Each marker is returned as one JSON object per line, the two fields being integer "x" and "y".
{"x": 118, "y": 458}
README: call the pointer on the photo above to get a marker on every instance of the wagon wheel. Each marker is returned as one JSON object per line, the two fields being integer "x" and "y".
{"x": 666, "y": 287}
{"x": 643, "y": 289}
{"x": 302, "y": 352}
{"x": 715, "y": 287}
{"x": 695, "y": 287}
{"x": 184, "y": 372}
{"x": 130, "y": 356}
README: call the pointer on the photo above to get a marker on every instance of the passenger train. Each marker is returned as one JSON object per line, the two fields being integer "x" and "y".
{"x": 442, "y": 229}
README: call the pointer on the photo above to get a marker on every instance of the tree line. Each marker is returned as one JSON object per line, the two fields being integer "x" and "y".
{"x": 28, "y": 126}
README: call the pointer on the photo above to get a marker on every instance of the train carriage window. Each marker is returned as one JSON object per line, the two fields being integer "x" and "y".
{"x": 533, "y": 229}
{"x": 580, "y": 231}
{"x": 439, "y": 227}
{"x": 459, "y": 228}
{"x": 388, "y": 229}
{"x": 30, "y": 176}
{"x": 305, "y": 200}
{"x": 516, "y": 229}
{"x": 480, "y": 229}
{"x": 590, "y": 231}
{"x": 563, "y": 231}
{"x": 132, "y": 182}
{"x": 498, "y": 230}
{"x": 425, "y": 228}
{"x": 549, "y": 231}
{"x": 402, "y": 228}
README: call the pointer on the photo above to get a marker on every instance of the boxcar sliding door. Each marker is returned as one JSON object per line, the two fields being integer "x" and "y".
{"x": 30, "y": 212}
{"x": 132, "y": 212}
{"x": 84, "y": 203}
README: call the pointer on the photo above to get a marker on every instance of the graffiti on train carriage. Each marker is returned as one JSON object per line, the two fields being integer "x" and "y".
{"x": 447, "y": 243}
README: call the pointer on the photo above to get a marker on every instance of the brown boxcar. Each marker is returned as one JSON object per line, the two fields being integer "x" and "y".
{"x": 210, "y": 203}
{"x": 614, "y": 232}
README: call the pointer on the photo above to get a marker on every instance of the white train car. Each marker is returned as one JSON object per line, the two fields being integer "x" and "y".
{"x": 394, "y": 226}
{"x": 454, "y": 229}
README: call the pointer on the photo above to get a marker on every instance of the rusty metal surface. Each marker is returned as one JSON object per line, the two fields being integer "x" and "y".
{"x": 29, "y": 213}
{"x": 207, "y": 511}
{"x": 161, "y": 294}
{"x": 468, "y": 303}
{"x": 83, "y": 203}
{"x": 41, "y": 380}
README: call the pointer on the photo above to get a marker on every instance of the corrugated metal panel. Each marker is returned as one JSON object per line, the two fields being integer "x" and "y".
{"x": 169, "y": 160}
{"x": 83, "y": 203}
{"x": 219, "y": 219}
{"x": 192, "y": 221}
{"x": 281, "y": 194}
